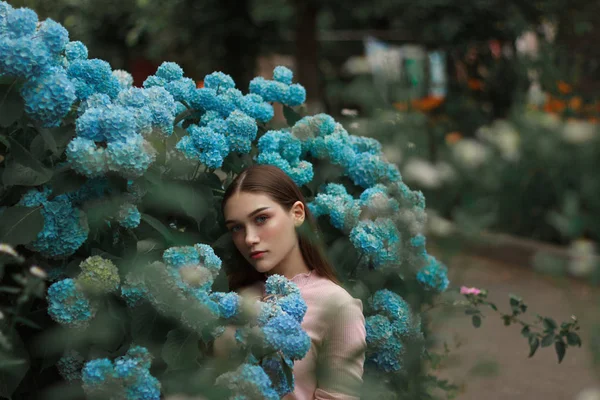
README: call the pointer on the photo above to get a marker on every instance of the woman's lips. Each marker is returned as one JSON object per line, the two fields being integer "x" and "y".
{"x": 257, "y": 255}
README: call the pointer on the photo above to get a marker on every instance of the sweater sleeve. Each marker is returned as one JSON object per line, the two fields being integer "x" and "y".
{"x": 341, "y": 362}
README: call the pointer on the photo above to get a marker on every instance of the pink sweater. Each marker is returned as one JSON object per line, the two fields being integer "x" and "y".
{"x": 336, "y": 326}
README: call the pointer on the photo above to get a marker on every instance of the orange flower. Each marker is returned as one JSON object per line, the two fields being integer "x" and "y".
{"x": 453, "y": 137}
{"x": 564, "y": 87}
{"x": 475, "y": 84}
{"x": 575, "y": 103}
{"x": 400, "y": 106}
{"x": 200, "y": 84}
{"x": 428, "y": 103}
{"x": 554, "y": 106}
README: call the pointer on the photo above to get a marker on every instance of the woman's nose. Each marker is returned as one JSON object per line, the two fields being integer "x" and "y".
{"x": 251, "y": 238}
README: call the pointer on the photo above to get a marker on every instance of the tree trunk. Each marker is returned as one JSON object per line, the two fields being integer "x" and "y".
{"x": 307, "y": 53}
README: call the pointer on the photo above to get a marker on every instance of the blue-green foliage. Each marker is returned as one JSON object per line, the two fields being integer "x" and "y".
{"x": 391, "y": 324}
{"x": 116, "y": 129}
{"x": 128, "y": 377}
{"x": 68, "y": 305}
{"x": 65, "y": 228}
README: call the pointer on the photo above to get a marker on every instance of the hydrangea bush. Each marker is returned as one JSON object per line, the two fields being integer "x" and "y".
{"x": 114, "y": 191}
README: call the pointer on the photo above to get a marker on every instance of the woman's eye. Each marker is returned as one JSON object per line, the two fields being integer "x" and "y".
{"x": 262, "y": 219}
{"x": 235, "y": 228}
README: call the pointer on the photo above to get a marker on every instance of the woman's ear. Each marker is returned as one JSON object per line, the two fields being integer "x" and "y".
{"x": 298, "y": 213}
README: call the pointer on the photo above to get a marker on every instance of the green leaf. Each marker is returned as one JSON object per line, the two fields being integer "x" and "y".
{"x": 534, "y": 343}
{"x": 525, "y": 331}
{"x": 20, "y": 225}
{"x": 291, "y": 116}
{"x": 159, "y": 227}
{"x": 287, "y": 371}
{"x": 476, "y": 319}
{"x": 24, "y": 169}
{"x": 472, "y": 311}
{"x": 11, "y": 105}
{"x": 548, "y": 340}
{"x": 181, "y": 350}
{"x": 550, "y": 324}
{"x": 573, "y": 339}
{"x": 14, "y": 365}
{"x": 65, "y": 181}
{"x": 560, "y": 348}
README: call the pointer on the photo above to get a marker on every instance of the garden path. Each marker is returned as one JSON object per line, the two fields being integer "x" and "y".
{"x": 491, "y": 361}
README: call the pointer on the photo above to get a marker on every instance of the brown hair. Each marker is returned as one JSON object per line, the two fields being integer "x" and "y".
{"x": 276, "y": 184}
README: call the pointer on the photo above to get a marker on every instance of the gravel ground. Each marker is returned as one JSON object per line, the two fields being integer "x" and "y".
{"x": 491, "y": 362}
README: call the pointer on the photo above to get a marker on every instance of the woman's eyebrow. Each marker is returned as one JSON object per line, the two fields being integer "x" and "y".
{"x": 251, "y": 214}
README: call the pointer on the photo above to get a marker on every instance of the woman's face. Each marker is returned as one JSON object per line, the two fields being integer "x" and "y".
{"x": 263, "y": 232}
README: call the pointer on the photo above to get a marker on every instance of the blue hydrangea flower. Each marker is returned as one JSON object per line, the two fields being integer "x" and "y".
{"x": 294, "y": 305}
{"x": 434, "y": 275}
{"x": 295, "y": 95}
{"x": 368, "y": 169}
{"x": 182, "y": 89}
{"x": 76, "y": 51}
{"x": 379, "y": 329}
{"x": 21, "y": 22}
{"x": 133, "y": 291}
{"x": 249, "y": 381}
{"x": 130, "y": 158}
{"x": 205, "y": 145}
{"x": 129, "y": 217}
{"x": 96, "y": 372}
{"x": 141, "y": 355}
{"x": 301, "y": 173}
{"x": 204, "y": 99}
{"x": 342, "y": 208}
{"x": 283, "y": 74}
{"x": 272, "y": 91}
{"x": 228, "y": 101}
{"x": 117, "y": 123}
{"x": 229, "y": 304}
{"x": 240, "y": 125}
{"x": 219, "y": 82}
{"x": 378, "y": 240}
{"x": 389, "y": 357}
{"x": 254, "y": 106}
{"x": 273, "y": 366}
{"x": 48, "y": 98}
{"x": 5, "y": 9}
{"x": 85, "y": 158}
{"x": 23, "y": 57}
{"x": 93, "y": 76}
{"x": 362, "y": 144}
{"x": 97, "y": 100}
{"x": 65, "y": 227}
{"x": 67, "y": 304}
{"x": 34, "y": 198}
{"x": 145, "y": 387}
{"x": 169, "y": 71}
{"x": 284, "y": 332}
{"x": 54, "y": 35}
{"x": 281, "y": 142}
{"x": 124, "y": 78}
{"x": 181, "y": 256}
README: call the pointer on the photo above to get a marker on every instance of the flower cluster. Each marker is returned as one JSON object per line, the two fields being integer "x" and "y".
{"x": 68, "y": 305}
{"x": 391, "y": 324}
{"x": 65, "y": 226}
{"x": 283, "y": 150}
{"x": 248, "y": 382}
{"x": 279, "y": 331}
{"x": 111, "y": 133}
{"x": 434, "y": 275}
{"x": 67, "y": 298}
{"x": 128, "y": 377}
{"x": 280, "y": 89}
{"x": 70, "y": 366}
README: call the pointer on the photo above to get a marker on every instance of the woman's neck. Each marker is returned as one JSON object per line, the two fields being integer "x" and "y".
{"x": 293, "y": 264}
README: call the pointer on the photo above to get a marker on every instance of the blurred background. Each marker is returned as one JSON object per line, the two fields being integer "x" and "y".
{"x": 490, "y": 107}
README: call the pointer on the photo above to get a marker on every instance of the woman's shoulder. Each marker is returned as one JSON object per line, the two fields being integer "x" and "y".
{"x": 330, "y": 292}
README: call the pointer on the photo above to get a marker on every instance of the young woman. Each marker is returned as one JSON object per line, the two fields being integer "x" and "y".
{"x": 275, "y": 233}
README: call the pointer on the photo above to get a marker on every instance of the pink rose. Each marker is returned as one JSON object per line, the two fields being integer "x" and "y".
{"x": 468, "y": 290}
